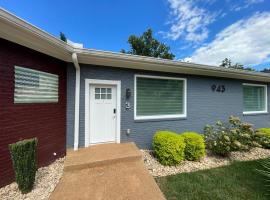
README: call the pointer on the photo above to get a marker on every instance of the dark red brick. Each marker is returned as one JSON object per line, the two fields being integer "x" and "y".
{"x": 46, "y": 121}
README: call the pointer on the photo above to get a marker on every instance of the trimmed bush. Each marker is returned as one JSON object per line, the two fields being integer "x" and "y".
{"x": 195, "y": 147}
{"x": 263, "y": 137}
{"x": 168, "y": 147}
{"x": 23, "y": 156}
{"x": 264, "y": 131}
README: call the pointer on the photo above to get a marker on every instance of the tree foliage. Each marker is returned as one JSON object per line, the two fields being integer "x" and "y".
{"x": 266, "y": 70}
{"x": 146, "y": 45}
{"x": 63, "y": 37}
{"x": 227, "y": 63}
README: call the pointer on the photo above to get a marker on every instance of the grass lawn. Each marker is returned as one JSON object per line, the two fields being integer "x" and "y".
{"x": 237, "y": 181}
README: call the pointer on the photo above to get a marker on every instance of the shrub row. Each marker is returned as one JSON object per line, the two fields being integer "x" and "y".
{"x": 222, "y": 138}
{"x": 171, "y": 148}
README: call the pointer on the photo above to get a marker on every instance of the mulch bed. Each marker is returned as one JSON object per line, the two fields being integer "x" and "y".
{"x": 208, "y": 162}
{"x": 46, "y": 180}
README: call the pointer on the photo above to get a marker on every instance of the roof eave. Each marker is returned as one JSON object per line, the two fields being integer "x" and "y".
{"x": 21, "y": 32}
{"x": 152, "y": 64}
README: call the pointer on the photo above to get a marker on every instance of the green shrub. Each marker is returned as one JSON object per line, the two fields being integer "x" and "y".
{"x": 168, "y": 147}
{"x": 234, "y": 135}
{"x": 23, "y": 155}
{"x": 264, "y": 131}
{"x": 263, "y": 137}
{"x": 195, "y": 147}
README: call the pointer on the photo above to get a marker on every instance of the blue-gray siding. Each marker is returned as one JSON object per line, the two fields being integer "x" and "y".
{"x": 203, "y": 105}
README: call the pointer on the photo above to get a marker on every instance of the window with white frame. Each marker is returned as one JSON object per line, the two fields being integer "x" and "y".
{"x": 254, "y": 98}
{"x": 34, "y": 86}
{"x": 159, "y": 97}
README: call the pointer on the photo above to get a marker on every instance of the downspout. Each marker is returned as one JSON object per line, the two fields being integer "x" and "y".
{"x": 77, "y": 101}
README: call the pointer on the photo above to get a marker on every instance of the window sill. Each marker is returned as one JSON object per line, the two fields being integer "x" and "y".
{"x": 160, "y": 119}
{"x": 255, "y": 113}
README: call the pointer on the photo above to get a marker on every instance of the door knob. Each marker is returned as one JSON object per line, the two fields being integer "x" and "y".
{"x": 114, "y": 111}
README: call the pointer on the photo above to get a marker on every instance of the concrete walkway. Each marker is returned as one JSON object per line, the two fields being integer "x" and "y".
{"x": 106, "y": 172}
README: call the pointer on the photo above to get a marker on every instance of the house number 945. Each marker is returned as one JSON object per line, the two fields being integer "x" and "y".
{"x": 218, "y": 88}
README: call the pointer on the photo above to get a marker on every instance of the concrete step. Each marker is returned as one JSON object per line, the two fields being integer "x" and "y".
{"x": 101, "y": 155}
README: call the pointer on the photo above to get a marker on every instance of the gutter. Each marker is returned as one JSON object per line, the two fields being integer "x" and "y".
{"x": 77, "y": 101}
{"x": 112, "y": 59}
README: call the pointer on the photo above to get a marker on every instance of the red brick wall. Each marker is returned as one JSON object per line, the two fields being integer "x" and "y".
{"x": 46, "y": 121}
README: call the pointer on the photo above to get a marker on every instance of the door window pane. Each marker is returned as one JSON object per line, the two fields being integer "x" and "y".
{"x": 103, "y": 93}
{"x": 97, "y": 90}
{"x": 103, "y": 90}
{"x": 109, "y": 96}
{"x": 103, "y": 96}
{"x": 97, "y": 96}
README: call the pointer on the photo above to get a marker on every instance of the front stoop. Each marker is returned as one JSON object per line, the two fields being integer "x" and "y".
{"x": 100, "y": 155}
{"x": 113, "y": 172}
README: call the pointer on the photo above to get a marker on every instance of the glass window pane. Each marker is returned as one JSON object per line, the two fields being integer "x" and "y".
{"x": 109, "y": 96}
{"x": 109, "y": 90}
{"x": 103, "y": 90}
{"x": 103, "y": 96}
{"x": 254, "y": 98}
{"x": 97, "y": 90}
{"x": 97, "y": 96}
{"x": 159, "y": 96}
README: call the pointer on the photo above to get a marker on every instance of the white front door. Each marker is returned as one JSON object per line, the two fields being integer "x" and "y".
{"x": 103, "y": 114}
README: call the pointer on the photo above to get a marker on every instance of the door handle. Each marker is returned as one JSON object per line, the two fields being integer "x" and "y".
{"x": 114, "y": 111}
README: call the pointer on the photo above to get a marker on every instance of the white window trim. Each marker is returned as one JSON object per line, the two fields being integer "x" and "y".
{"x": 88, "y": 82}
{"x": 184, "y": 115}
{"x": 266, "y": 99}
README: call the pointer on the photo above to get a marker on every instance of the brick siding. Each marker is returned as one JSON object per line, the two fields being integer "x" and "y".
{"x": 46, "y": 121}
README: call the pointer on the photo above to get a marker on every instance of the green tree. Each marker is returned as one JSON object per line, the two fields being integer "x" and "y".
{"x": 146, "y": 45}
{"x": 227, "y": 63}
{"x": 266, "y": 70}
{"x": 63, "y": 37}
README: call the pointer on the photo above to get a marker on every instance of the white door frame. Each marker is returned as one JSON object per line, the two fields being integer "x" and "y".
{"x": 89, "y": 82}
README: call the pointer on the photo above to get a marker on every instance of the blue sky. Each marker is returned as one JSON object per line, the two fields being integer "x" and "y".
{"x": 201, "y": 31}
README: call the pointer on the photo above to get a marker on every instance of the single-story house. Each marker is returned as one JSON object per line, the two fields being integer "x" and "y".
{"x": 72, "y": 97}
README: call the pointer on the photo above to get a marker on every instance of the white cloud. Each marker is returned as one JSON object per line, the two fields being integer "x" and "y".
{"x": 188, "y": 59}
{"x": 251, "y": 2}
{"x": 246, "y": 42}
{"x": 188, "y": 21}
{"x": 245, "y": 4}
